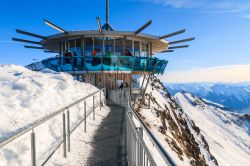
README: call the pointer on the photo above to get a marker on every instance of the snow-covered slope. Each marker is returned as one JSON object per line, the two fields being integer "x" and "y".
{"x": 178, "y": 134}
{"x": 26, "y": 96}
{"x": 234, "y": 96}
{"x": 225, "y": 132}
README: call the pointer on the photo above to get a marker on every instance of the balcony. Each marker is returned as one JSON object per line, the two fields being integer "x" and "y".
{"x": 101, "y": 63}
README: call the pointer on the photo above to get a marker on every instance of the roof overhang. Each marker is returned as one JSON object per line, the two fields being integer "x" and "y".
{"x": 52, "y": 42}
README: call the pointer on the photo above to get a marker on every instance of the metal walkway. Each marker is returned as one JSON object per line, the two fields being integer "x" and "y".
{"x": 109, "y": 142}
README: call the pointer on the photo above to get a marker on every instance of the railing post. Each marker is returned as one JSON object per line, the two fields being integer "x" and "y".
{"x": 122, "y": 96}
{"x": 33, "y": 148}
{"x": 116, "y": 96}
{"x": 100, "y": 100}
{"x": 68, "y": 130}
{"x": 64, "y": 136}
{"x": 94, "y": 107}
{"x": 85, "y": 117}
{"x": 105, "y": 95}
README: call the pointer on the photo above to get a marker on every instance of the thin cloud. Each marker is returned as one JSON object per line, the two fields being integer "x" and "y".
{"x": 233, "y": 73}
{"x": 217, "y": 6}
{"x": 247, "y": 16}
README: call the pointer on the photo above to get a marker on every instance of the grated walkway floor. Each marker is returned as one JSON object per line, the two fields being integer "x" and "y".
{"x": 109, "y": 141}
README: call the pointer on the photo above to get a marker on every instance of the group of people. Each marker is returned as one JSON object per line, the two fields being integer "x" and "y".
{"x": 122, "y": 86}
{"x": 97, "y": 51}
{"x": 68, "y": 57}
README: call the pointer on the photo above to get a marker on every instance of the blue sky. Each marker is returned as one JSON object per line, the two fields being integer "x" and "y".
{"x": 221, "y": 27}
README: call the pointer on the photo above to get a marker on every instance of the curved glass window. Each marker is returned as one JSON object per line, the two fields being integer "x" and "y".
{"x": 119, "y": 46}
{"x": 98, "y": 46}
{"x": 136, "y": 48}
{"x": 88, "y": 46}
{"x": 109, "y": 46}
{"x": 144, "y": 49}
{"x": 128, "y": 48}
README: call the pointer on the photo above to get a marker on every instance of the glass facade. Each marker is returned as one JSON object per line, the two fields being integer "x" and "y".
{"x": 105, "y": 54}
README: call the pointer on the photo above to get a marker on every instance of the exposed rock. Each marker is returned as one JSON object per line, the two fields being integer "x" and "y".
{"x": 179, "y": 136}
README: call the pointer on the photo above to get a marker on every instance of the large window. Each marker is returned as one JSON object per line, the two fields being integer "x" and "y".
{"x": 88, "y": 46}
{"x": 109, "y": 46}
{"x": 128, "y": 48}
{"x": 136, "y": 48}
{"x": 98, "y": 45}
{"x": 75, "y": 47}
{"x": 119, "y": 46}
{"x": 144, "y": 49}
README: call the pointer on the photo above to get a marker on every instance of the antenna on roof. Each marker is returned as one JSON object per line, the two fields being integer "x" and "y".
{"x": 107, "y": 11}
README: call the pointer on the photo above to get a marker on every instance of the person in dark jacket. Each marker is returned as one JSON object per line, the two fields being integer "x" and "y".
{"x": 121, "y": 86}
{"x": 68, "y": 56}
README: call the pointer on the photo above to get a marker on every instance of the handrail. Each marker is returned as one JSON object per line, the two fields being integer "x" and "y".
{"x": 31, "y": 126}
{"x": 97, "y": 62}
{"x": 159, "y": 147}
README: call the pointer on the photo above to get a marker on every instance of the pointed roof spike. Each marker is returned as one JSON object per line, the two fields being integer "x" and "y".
{"x": 107, "y": 11}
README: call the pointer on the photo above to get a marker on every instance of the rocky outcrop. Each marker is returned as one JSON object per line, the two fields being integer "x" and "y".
{"x": 179, "y": 132}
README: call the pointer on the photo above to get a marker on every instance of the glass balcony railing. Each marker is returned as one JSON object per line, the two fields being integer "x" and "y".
{"x": 103, "y": 63}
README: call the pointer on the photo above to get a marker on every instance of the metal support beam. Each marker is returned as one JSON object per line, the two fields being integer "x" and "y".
{"x": 175, "y": 47}
{"x": 99, "y": 24}
{"x": 47, "y": 51}
{"x": 55, "y": 26}
{"x": 143, "y": 27}
{"x": 173, "y": 34}
{"x": 26, "y": 41}
{"x": 181, "y": 41}
{"x": 30, "y": 34}
{"x": 167, "y": 51}
{"x": 34, "y": 47}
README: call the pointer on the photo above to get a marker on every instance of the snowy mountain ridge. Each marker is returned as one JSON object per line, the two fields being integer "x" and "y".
{"x": 235, "y": 96}
{"x": 227, "y": 133}
{"x": 177, "y": 133}
{"x": 218, "y": 136}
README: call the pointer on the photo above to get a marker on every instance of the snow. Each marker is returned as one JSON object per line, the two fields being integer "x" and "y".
{"x": 155, "y": 122}
{"x": 26, "y": 96}
{"x": 235, "y": 96}
{"x": 228, "y": 139}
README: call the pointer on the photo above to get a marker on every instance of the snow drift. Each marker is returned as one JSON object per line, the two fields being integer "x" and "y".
{"x": 26, "y": 96}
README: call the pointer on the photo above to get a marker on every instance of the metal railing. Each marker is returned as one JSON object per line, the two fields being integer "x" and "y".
{"x": 101, "y": 63}
{"x": 66, "y": 128}
{"x": 143, "y": 148}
